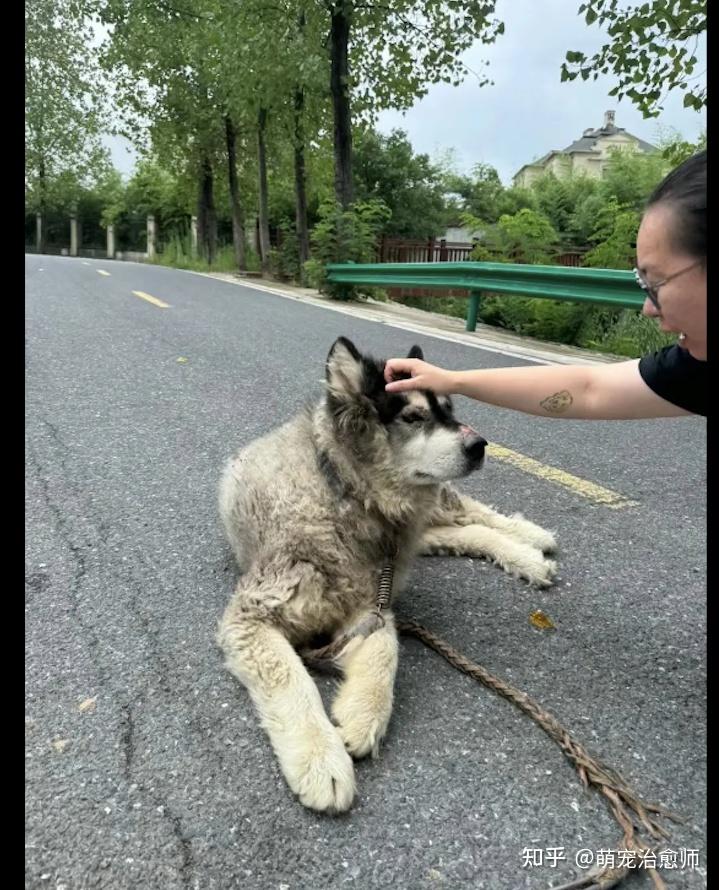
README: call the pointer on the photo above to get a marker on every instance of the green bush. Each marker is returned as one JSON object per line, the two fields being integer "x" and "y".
{"x": 313, "y": 274}
{"x": 285, "y": 260}
{"x": 346, "y": 236}
{"x": 632, "y": 334}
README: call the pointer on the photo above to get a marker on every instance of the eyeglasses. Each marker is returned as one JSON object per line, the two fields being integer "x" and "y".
{"x": 651, "y": 289}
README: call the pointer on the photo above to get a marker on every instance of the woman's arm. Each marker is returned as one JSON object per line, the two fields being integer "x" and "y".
{"x": 596, "y": 392}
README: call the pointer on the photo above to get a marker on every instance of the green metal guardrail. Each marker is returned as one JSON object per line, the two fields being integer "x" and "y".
{"x": 611, "y": 287}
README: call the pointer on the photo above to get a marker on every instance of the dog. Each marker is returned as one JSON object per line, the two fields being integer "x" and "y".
{"x": 313, "y": 512}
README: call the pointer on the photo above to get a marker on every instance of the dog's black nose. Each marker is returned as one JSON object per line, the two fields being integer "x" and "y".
{"x": 474, "y": 447}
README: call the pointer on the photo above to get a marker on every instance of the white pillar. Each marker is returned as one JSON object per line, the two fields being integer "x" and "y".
{"x": 111, "y": 242}
{"x": 73, "y": 236}
{"x": 38, "y": 231}
{"x": 193, "y": 235}
{"x": 151, "y": 233}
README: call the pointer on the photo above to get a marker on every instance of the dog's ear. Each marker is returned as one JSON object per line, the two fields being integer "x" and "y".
{"x": 344, "y": 367}
{"x": 416, "y": 352}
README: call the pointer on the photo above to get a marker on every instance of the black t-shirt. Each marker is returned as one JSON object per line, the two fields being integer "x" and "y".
{"x": 677, "y": 377}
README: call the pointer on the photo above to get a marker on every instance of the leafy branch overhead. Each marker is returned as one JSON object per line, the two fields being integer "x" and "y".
{"x": 652, "y": 50}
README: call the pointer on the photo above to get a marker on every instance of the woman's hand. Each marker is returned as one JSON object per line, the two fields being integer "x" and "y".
{"x": 423, "y": 376}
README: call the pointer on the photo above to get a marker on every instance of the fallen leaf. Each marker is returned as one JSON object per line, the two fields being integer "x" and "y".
{"x": 60, "y": 744}
{"x": 87, "y": 705}
{"x": 181, "y": 359}
{"x": 540, "y": 620}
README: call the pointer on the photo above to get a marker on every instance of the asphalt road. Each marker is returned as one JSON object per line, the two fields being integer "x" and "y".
{"x": 146, "y": 767}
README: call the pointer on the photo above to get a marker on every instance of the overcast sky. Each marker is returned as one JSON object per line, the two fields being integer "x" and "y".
{"x": 528, "y": 111}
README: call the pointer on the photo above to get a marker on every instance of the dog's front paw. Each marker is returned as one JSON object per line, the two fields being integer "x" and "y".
{"x": 528, "y": 563}
{"x": 543, "y": 574}
{"x": 360, "y": 728}
{"x": 319, "y": 770}
{"x": 532, "y": 534}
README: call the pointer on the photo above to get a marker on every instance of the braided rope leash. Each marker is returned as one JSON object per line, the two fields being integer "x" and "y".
{"x": 625, "y": 805}
{"x": 627, "y": 808}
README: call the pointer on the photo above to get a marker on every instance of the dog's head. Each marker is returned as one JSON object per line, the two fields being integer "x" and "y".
{"x": 415, "y": 431}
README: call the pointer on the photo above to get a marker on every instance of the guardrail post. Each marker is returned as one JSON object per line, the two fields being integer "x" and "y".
{"x": 474, "y": 296}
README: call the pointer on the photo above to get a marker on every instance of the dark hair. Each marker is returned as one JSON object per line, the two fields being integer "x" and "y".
{"x": 685, "y": 191}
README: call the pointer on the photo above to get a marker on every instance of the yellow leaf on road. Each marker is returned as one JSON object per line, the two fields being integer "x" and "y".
{"x": 540, "y": 620}
{"x": 182, "y": 359}
{"x": 60, "y": 744}
{"x": 87, "y": 705}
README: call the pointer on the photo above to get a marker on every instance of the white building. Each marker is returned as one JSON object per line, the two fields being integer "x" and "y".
{"x": 588, "y": 155}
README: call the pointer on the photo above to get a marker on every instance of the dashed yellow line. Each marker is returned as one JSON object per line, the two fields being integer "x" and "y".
{"x": 102, "y": 272}
{"x": 153, "y": 300}
{"x": 575, "y": 484}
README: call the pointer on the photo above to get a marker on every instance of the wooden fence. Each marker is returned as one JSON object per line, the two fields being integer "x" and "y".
{"x": 433, "y": 250}
{"x": 438, "y": 250}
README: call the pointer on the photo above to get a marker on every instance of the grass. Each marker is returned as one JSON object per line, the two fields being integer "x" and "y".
{"x": 178, "y": 254}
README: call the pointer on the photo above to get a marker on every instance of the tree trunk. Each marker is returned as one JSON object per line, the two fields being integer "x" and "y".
{"x": 339, "y": 87}
{"x": 238, "y": 225}
{"x": 262, "y": 164}
{"x": 206, "y": 218}
{"x": 303, "y": 237}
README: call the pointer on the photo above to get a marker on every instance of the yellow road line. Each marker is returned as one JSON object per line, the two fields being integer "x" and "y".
{"x": 101, "y": 272}
{"x": 583, "y": 487}
{"x": 153, "y": 300}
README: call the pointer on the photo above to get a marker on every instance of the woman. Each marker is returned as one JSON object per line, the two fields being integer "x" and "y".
{"x": 671, "y": 269}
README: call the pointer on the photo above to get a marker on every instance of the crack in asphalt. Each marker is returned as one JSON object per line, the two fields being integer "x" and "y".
{"x": 127, "y": 718}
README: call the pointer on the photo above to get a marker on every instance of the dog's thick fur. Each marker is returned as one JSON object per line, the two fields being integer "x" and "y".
{"x": 313, "y": 510}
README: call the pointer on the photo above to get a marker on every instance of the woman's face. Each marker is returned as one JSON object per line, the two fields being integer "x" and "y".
{"x": 683, "y": 300}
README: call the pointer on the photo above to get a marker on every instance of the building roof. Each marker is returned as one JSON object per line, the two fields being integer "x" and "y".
{"x": 587, "y": 143}
{"x": 589, "y": 139}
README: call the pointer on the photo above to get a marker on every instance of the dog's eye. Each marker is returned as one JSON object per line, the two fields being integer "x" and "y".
{"x": 413, "y": 418}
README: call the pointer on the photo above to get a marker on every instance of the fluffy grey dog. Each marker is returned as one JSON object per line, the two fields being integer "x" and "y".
{"x": 313, "y": 512}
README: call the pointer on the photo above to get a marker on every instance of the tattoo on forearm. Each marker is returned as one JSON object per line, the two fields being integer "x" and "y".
{"x": 558, "y": 403}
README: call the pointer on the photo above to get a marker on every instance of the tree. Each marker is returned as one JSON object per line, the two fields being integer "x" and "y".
{"x": 160, "y": 68}
{"x": 619, "y": 249}
{"x": 554, "y": 201}
{"x": 385, "y": 167}
{"x": 559, "y": 200}
{"x": 64, "y": 105}
{"x": 523, "y": 237}
{"x": 674, "y": 149}
{"x": 631, "y": 176}
{"x": 481, "y": 192}
{"x": 396, "y": 50}
{"x": 592, "y": 219}
{"x": 652, "y": 51}
{"x": 528, "y": 237}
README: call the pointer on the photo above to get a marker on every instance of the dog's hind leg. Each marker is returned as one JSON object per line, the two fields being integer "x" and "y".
{"x": 459, "y": 509}
{"x": 311, "y": 753}
{"x": 516, "y": 558}
{"x": 363, "y": 706}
